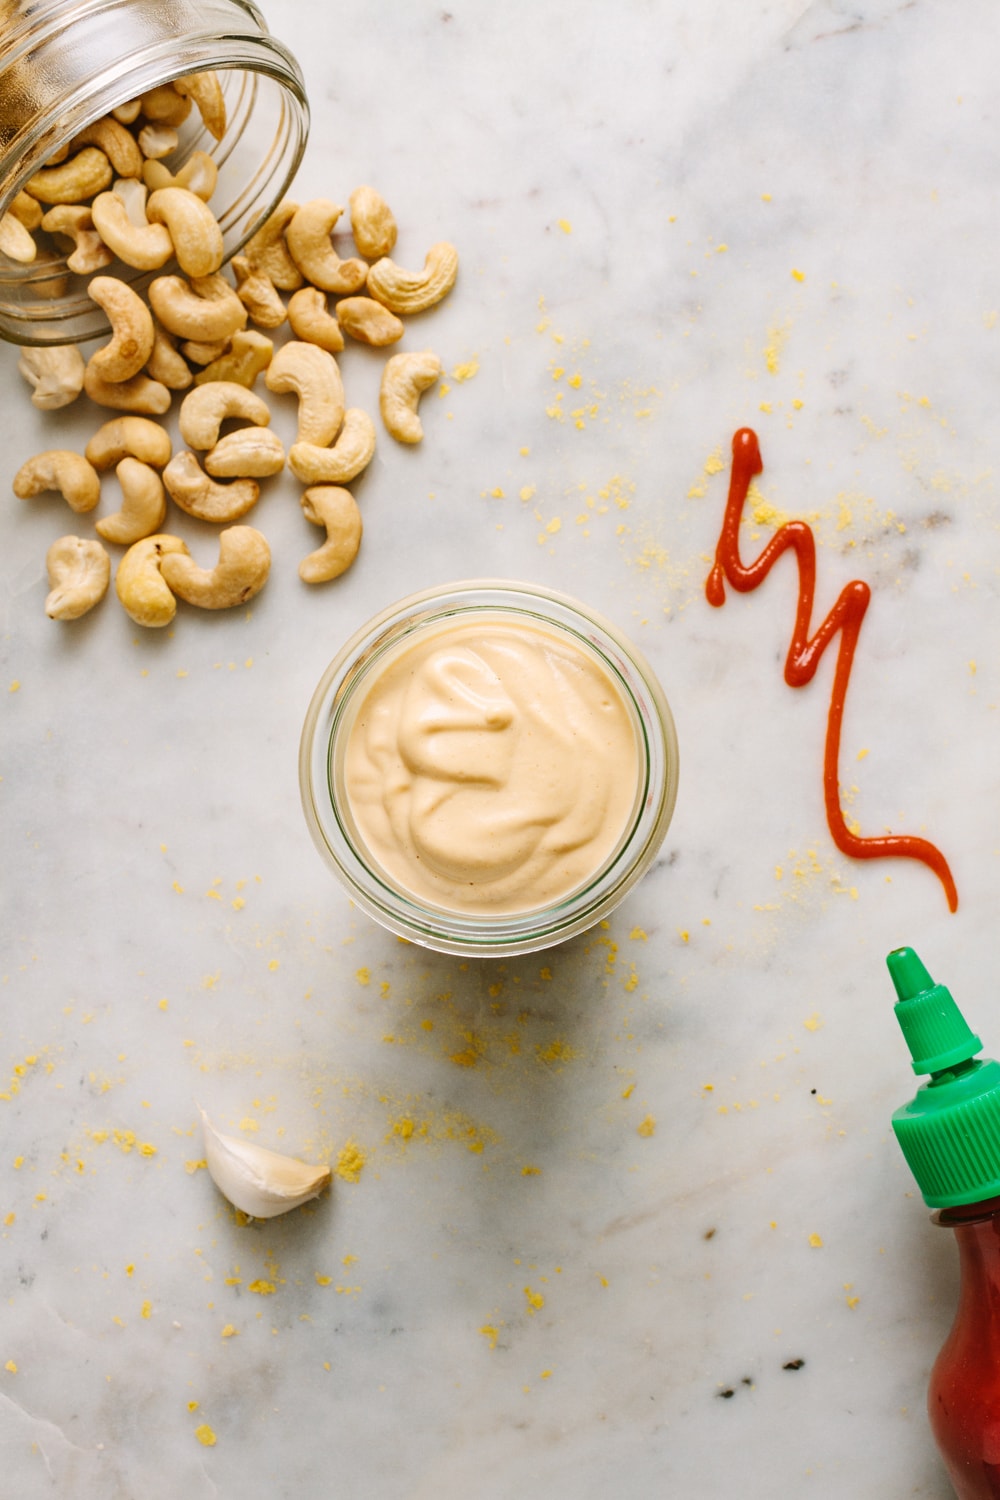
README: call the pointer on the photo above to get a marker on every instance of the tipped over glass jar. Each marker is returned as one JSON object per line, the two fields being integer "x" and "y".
{"x": 488, "y": 767}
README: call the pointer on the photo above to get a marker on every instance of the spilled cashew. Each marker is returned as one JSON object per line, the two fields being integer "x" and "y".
{"x": 414, "y": 291}
{"x": 311, "y": 321}
{"x": 204, "y": 308}
{"x": 310, "y": 246}
{"x": 336, "y": 509}
{"x": 241, "y": 572}
{"x": 131, "y": 341}
{"x": 201, "y": 496}
{"x": 79, "y": 571}
{"x": 129, "y": 437}
{"x": 267, "y": 251}
{"x": 193, "y": 228}
{"x": 351, "y": 453}
{"x": 250, "y": 453}
{"x": 165, "y": 363}
{"x": 369, "y": 321}
{"x": 204, "y": 410}
{"x": 56, "y": 373}
{"x": 144, "y": 504}
{"x": 139, "y": 585}
{"x": 138, "y": 394}
{"x": 145, "y": 246}
{"x": 258, "y": 294}
{"x": 249, "y": 353}
{"x": 63, "y": 470}
{"x": 313, "y": 375}
{"x": 372, "y": 223}
{"x": 404, "y": 379}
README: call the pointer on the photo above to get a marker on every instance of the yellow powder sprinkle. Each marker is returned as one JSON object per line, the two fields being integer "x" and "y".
{"x": 262, "y": 1288}
{"x": 816, "y": 1242}
{"x": 145, "y": 1149}
{"x": 363, "y": 976}
{"x": 350, "y": 1161}
{"x": 205, "y": 1435}
{"x": 403, "y": 1128}
{"x": 813, "y": 1022}
{"x": 798, "y": 275}
{"x": 10, "y": 1218}
{"x": 194, "y": 1166}
{"x": 535, "y": 1300}
{"x": 163, "y": 1004}
{"x": 491, "y": 1333}
{"x": 15, "y": 686}
{"x": 852, "y": 1302}
{"x": 11, "y": 1367}
{"x": 238, "y": 903}
{"x": 193, "y": 1406}
{"x": 565, "y": 226}
{"x": 545, "y": 1375}
{"x": 527, "y": 492}
{"x": 646, "y": 1127}
{"x": 274, "y": 964}
{"x": 531, "y": 1171}
{"x": 147, "y": 1309}
{"x": 178, "y": 888}
{"x": 322, "y": 1280}
{"x": 466, "y": 371}
{"x": 229, "y": 1332}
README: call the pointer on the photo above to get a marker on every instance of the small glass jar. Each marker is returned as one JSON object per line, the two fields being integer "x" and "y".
{"x": 334, "y": 709}
{"x": 66, "y": 63}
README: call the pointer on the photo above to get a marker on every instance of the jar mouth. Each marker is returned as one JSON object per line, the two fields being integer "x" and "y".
{"x": 336, "y": 833}
{"x": 105, "y": 53}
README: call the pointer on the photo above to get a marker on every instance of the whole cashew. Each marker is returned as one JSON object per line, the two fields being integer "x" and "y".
{"x": 241, "y": 572}
{"x": 16, "y": 240}
{"x": 204, "y": 410}
{"x": 60, "y": 469}
{"x": 139, "y": 585}
{"x": 144, "y": 504}
{"x": 117, "y": 143}
{"x": 311, "y": 322}
{"x": 404, "y": 379}
{"x": 310, "y": 246}
{"x": 165, "y": 105}
{"x": 199, "y": 173}
{"x": 248, "y": 353}
{"x": 73, "y": 221}
{"x": 131, "y": 341}
{"x": 313, "y": 375}
{"x": 205, "y": 308}
{"x": 129, "y": 437}
{"x": 201, "y": 496}
{"x": 165, "y": 364}
{"x": 250, "y": 453}
{"x": 76, "y": 180}
{"x": 334, "y": 508}
{"x": 193, "y": 228}
{"x": 258, "y": 294}
{"x": 145, "y": 246}
{"x": 56, "y": 374}
{"x": 267, "y": 251}
{"x": 414, "y": 291}
{"x": 157, "y": 140}
{"x": 206, "y": 91}
{"x": 372, "y": 223}
{"x": 351, "y": 453}
{"x": 369, "y": 321}
{"x": 139, "y": 394}
{"x": 79, "y": 572}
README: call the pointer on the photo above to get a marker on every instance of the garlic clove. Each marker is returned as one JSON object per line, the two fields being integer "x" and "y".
{"x": 260, "y": 1182}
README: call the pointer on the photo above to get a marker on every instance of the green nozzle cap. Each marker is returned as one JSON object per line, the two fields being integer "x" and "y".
{"x": 950, "y": 1132}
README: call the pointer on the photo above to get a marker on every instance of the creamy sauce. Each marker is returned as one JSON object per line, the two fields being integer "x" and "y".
{"x": 492, "y": 767}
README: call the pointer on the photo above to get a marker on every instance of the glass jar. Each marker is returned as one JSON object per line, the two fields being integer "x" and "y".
{"x": 66, "y": 63}
{"x": 334, "y": 710}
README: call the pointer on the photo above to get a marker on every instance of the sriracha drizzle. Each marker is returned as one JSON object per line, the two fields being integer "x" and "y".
{"x": 804, "y": 652}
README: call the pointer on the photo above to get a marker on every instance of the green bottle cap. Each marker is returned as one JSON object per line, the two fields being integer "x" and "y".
{"x": 950, "y": 1132}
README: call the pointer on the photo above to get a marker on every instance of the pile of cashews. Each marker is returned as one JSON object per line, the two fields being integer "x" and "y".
{"x": 192, "y": 336}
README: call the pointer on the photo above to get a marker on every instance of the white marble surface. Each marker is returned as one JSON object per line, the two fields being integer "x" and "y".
{"x": 632, "y": 189}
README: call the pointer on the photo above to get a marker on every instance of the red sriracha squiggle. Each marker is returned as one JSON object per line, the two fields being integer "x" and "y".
{"x": 804, "y": 653}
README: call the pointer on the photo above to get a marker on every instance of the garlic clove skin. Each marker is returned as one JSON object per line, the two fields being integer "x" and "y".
{"x": 260, "y": 1182}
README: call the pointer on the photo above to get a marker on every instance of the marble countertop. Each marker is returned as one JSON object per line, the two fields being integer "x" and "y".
{"x": 626, "y": 1217}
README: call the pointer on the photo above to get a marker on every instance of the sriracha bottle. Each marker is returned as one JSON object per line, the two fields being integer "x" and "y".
{"x": 950, "y": 1136}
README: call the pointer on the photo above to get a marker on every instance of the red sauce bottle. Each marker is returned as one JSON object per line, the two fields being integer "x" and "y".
{"x": 950, "y": 1136}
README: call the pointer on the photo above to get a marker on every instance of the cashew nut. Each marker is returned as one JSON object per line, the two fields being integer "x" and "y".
{"x": 250, "y": 453}
{"x": 129, "y": 437}
{"x": 139, "y": 585}
{"x": 117, "y": 143}
{"x": 144, "y": 504}
{"x": 131, "y": 341}
{"x": 414, "y": 291}
{"x": 204, "y": 308}
{"x": 193, "y": 227}
{"x": 241, "y": 572}
{"x": 56, "y": 374}
{"x": 17, "y": 241}
{"x": 79, "y": 572}
{"x": 311, "y": 322}
{"x": 74, "y": 181}
{"x": 73, "y": 222}
{"x": 268, "y": 252}
{"x": 258, "y": 294}
{"x": 165, "y": 364}
{"x": 157, "y": 140}
{"x": 199, "y": 173}
{"x": 206, "y": 91}
{"x": 249, "y": 352}
{"x": 369, "y": 321}
{"x": 310, "y": 246}
{"x": 313, "y": 375}
{"x": 404, "y": 379}
{"x": 165, "y": 105}
{"x": 129, "y": 112}
{"x": 351, "y": 453}
{"x": 201, "y": 496}
{"x": 60, "y": 469}
{"x": 372, "y": 223}
{"x": 139, "y": 394}
{"x": 145, "y": 246}
{"x": 26, "y": 209}
{"x": 203, "y": 354}
{"x": 334, "y": 508}
{"x": 204, "y": 410}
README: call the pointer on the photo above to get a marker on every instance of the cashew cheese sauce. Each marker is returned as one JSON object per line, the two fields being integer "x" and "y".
{"x": 492, "y": 767}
